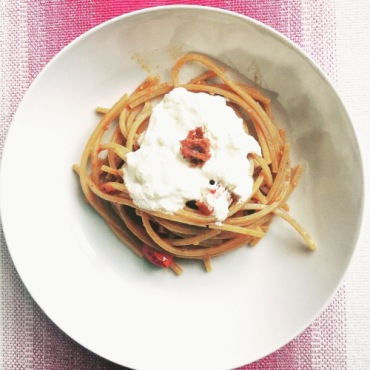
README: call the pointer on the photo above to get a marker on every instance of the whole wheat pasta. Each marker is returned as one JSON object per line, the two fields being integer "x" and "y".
{"x": 166, "y": 238}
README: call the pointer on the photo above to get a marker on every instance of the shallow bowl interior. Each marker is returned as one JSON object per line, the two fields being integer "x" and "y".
{"x": 96, "y": 290}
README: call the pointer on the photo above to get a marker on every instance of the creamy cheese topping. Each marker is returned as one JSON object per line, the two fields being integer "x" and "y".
{"x": 158, "y": 178}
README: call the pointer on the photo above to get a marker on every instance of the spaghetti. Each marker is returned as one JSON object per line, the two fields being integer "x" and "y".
{"x": 163, "y": 238}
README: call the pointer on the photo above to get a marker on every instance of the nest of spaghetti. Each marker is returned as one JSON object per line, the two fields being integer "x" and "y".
{"x": 164, "y": 239}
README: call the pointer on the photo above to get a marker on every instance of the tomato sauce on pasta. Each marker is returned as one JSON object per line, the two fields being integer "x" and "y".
{"x": 192, "y": 232}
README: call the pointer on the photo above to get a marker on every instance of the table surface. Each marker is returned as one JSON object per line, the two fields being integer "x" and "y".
{"x": 334, "y": 33}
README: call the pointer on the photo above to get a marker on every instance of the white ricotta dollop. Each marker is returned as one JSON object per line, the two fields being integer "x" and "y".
{"x": 158, "y": 178}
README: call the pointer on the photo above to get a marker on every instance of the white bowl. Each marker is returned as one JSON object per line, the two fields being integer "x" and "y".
{"x": 98, "y": 292}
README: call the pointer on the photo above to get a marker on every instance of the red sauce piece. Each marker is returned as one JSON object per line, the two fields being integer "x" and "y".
{"x": 195, "y": 148}
{"x": 203, "y": 208}
{"x": 156, "y": 258}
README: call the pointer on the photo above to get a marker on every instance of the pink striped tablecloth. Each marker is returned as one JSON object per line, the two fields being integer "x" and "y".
{"x": 336, "y": 35}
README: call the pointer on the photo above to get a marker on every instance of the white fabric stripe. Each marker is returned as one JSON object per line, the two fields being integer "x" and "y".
{"x": 328, "y": 339}
{"x": 353, "y": 58}
{"x": 3, "y": 49}
{"x": 318, "y": 29}
{"x": 14, "y": 75}
{"x": 16, "y": 306}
